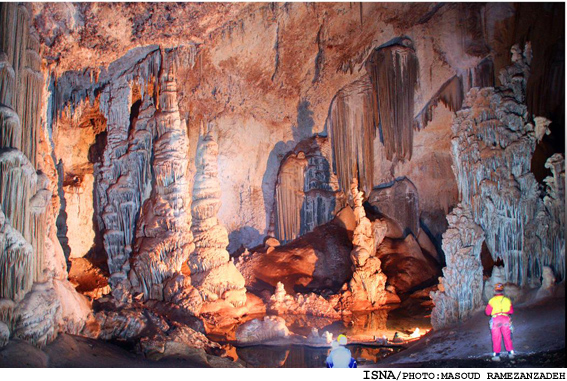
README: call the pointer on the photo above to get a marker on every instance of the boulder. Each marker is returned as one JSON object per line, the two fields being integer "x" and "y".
{"x": 317, "y": 261}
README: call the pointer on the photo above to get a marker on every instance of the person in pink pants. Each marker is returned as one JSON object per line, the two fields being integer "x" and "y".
{"x": 500, "y": 308}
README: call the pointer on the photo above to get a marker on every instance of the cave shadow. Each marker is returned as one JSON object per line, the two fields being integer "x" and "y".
{"x": 97, "y": 255}
{"x": 245, "y": 237}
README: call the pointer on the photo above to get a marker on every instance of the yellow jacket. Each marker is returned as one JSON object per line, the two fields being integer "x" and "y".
{"x": 499, "y": 305}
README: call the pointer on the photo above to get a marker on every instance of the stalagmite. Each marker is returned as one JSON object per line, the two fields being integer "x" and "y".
{"x": 393, "y": 73}
{"x": 494, "y": 140}
{"x": 311, "y": 304}
{"x": 306, "y": 190}
{"x": 36, "y": 317}
{"x": 212, "y": 271}
{"x": 163, "y": 239}
{"x": 122, "y": 177}
{"x": 461, "y": 290}
{"x": 352, "y": 124}
{"x": 368, "y": 281}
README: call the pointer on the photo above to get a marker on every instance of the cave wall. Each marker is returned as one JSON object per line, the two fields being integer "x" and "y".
{"x": 270, "y": 77}
{"x": 296, "y": 77}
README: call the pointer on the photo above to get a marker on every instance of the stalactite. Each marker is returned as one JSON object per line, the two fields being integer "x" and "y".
{"x": 451, "y": 94}
{"x": 393, "y": 73}
{"x": 7, "y": 80}
{"x": 352, "y": 128}
{"x": 212, "y": 271}
{"x": 306, "y": 190}
{"x": 164, "y": 239}
{"x": 14, "y": 24}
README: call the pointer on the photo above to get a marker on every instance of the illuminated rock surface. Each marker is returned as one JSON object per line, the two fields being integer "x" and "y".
{"x": 212, "y": 271}
{"x": 368, "y": 281}
{"x": 494, "y": 139}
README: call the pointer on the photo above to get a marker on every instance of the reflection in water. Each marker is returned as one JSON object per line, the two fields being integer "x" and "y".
{"x": 302, "y": 324}
{"x": 362, "y": 326}
{"x": 299, "y": 356}
{"x": 261, "y": 356}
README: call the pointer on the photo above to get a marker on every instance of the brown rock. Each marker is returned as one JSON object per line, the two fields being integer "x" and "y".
{"x": 405, "y": 264}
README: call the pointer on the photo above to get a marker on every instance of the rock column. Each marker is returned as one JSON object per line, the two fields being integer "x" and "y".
{"x": 212, "y": 271}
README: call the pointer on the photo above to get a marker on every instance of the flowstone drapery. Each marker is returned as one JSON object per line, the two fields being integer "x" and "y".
{"x": 352, "y": 128}
{"x": 307, "y": 192}
{"x": 212, "y": 271}
{"x": 393, "y": 73}
{"x": 494, "y": 140}
{"x": 163, "y": 238}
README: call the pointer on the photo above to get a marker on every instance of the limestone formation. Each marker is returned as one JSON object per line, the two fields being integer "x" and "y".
{"x": 462, "y": 284}
{"x": 4, "y": 334}
{"x": 256, "y": 331}
{"x": 33, "y": 282}
{"x": 163, "y": 238}
{"x": 368, "y": 281}
{"x": 316, "y": 261}
{"x": 181, "y": 342}
{"x": 547, "y": 283}
{"x": 123, "y": 325}
{"x": 212, "y": 271}
{"x": 123, "y": 174}
{"x": 393, "y": 71}
{"x": 36, "y": 317}
{"x": 311, "y": 304}
{"x": 498, "y": 276}
{"x": 352, "y": 123}
{"x": 406, "y": 265}
{"x": 307, "y": 193}
{"x": 494, "y": 140}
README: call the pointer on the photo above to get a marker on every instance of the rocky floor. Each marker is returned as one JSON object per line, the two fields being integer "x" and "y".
{"x": 539, "y": 341}
{"x": 69, "y": 351}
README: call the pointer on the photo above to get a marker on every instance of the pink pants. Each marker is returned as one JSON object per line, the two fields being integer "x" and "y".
{"x": 501, "y": 328}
